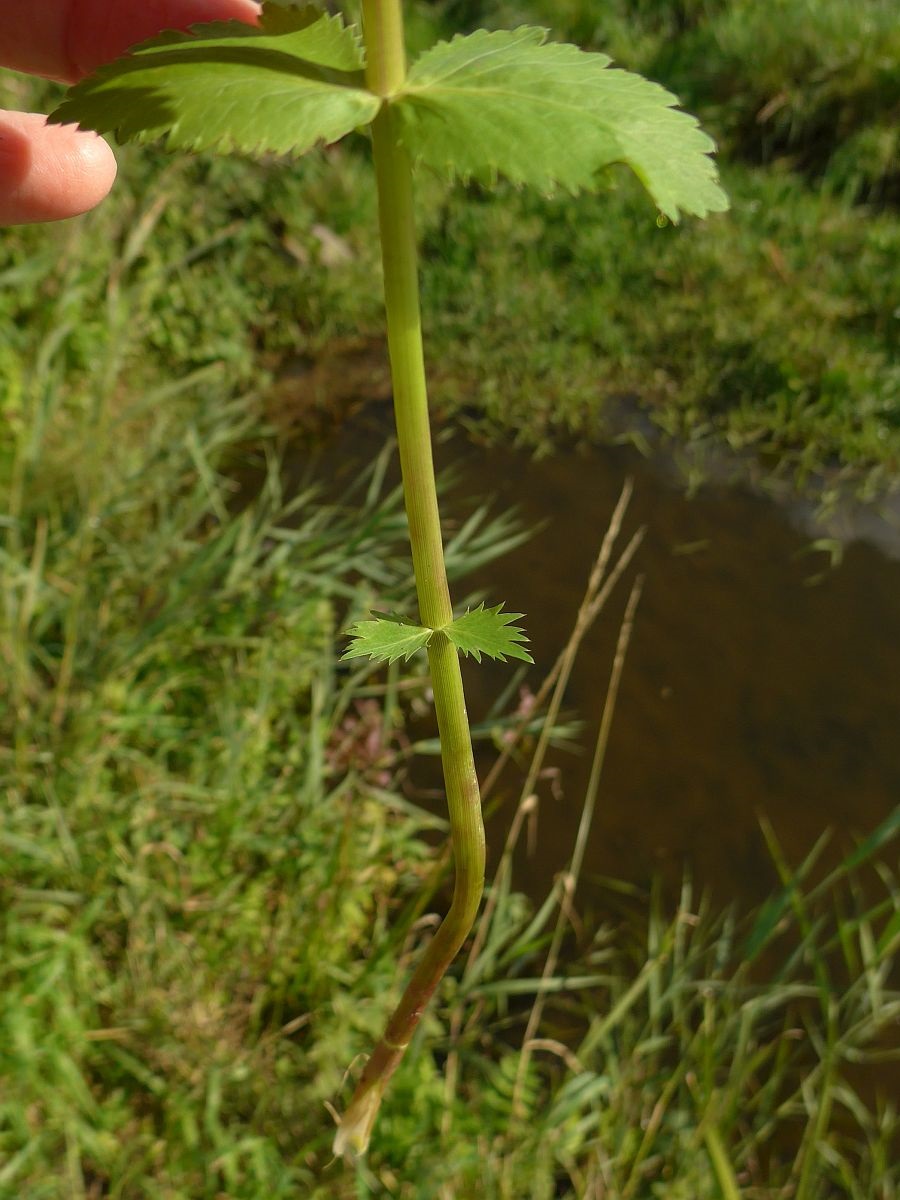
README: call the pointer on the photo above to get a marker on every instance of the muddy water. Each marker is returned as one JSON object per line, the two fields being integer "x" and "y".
{"x": 749, "y": 687}
{"x": 758, "y": 680}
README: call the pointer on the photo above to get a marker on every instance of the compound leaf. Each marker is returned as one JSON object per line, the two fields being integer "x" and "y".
{"x": 550, "y": 115}
{"x": 488, "y": 631}
{"x": 281, "y": 87}
{"x": 389, "y": 637}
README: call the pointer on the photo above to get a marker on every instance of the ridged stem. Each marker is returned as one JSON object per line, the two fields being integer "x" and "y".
{"x": 386, "y": 71}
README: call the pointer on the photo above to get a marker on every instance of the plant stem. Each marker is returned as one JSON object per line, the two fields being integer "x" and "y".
{"x": 386, "y": 72}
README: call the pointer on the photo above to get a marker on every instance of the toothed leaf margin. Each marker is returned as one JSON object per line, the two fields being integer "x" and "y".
{"x": 387, "y": 638}
{"x": 488, "y": 631}
{"x": 282, "y": 87}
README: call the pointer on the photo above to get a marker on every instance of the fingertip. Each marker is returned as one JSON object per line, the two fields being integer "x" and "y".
{"x": 50, "y": 172}
{"x": 101, "y": 30}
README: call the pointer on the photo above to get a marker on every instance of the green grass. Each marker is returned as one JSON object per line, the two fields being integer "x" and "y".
{"x": 770, "y": 331}
{"x": 212, "y": 879}
{"x": 716, "y": 329}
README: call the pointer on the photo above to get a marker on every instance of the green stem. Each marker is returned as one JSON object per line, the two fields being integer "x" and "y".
{"x": 386, "y": 72}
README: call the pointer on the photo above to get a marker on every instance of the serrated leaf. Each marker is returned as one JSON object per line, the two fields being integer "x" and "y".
{"x": 550, "y": 115}
{"x": 488, "y": 631}
{"x": 387, "y": 638}
{"x": 278, "y": 88}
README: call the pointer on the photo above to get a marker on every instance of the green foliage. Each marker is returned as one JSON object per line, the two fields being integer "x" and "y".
{"x": 387, "y": 639}
{"x": 803, "y": 77}
{"x": 488, "y": 631}
{"x": 280, "y": 88}
{"x": 811, "y": 79}
{"x": 550, "y": 115}
{"x": 771, "y": 331}
{"x": 478, "y": 631}
{"x": 501, "y": 103}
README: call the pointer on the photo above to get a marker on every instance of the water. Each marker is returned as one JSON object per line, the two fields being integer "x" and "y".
{"x": 759, "y": 679}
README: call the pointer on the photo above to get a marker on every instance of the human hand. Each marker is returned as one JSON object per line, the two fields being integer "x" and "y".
{"x": 48, "y": 172}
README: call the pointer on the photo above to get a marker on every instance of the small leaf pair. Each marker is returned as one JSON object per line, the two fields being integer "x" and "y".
{"x": 478, "y": 631}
